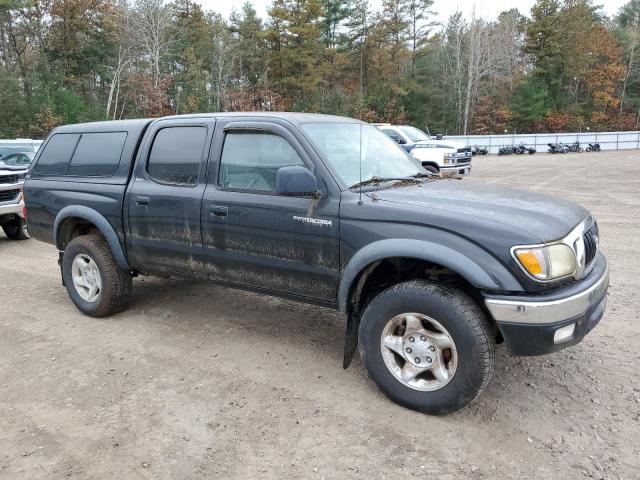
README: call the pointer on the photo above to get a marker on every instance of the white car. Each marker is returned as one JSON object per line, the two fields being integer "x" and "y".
{"x": 436, "y": 155}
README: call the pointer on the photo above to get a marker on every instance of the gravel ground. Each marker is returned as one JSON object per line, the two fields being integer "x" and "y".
{"x": 200, "y": 381}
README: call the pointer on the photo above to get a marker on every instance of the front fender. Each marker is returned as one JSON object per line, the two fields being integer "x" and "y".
{"x": 90, "y": 215}
{"x": 474, "y": 264}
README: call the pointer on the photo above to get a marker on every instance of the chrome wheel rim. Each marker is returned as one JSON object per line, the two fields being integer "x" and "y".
{"x": 419, "y": 352}
{"x": 86, "y": 278}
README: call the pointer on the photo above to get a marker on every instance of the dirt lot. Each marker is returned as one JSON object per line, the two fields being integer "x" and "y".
{"x": 200, "y": 381}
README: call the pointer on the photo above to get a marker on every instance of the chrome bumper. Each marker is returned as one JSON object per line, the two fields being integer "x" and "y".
{"x": 549, "y": 312}
{"x": 463, "y": 167}
{"x": 13, "y": 207}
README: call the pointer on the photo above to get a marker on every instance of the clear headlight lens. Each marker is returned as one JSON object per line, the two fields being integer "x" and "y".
{"x": 548, "y": 262}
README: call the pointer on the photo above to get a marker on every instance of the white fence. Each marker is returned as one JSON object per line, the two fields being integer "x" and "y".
{"x": 22, "y": 142}
{"x": 540, "y": 141}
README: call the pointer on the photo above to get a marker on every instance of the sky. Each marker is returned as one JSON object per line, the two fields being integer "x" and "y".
{"x": 443, "y": 8}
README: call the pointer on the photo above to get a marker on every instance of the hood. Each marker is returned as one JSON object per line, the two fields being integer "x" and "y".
{"x": 527, "y": 216}
{"x": 11, "y": 169}
{"x": 446, "y": 143}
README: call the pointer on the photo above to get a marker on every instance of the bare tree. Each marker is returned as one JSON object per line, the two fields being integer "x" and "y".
{"x": 151, "y": 19}
{"x": 222, "y": 63}
{"x": 126, "y": 38}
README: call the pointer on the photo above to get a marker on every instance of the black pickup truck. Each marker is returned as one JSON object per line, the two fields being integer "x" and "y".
{"x": 429, "y": 273}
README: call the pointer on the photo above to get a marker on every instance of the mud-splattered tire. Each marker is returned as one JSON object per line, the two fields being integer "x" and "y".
{"x": 467, "y": 356}
{"x": 115, "y": 284}
{"x": 16, "y": 229}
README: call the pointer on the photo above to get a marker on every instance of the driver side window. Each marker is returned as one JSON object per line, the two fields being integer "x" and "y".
{"x": 251, "y": 160}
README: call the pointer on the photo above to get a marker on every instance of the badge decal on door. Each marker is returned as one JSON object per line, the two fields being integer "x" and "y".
{"x": 313, "y": 221}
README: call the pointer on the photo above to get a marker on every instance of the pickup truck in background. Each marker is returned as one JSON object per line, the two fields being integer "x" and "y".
{"x": 436, "y": 155}
{"x": 14, "y": 165}
{"x": 430, "y": 273}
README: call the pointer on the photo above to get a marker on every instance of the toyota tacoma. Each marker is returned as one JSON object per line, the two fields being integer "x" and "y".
{"x": 429, "y": 273}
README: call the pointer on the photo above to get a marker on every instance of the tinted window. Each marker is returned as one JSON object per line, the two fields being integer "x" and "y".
{"x": 56, "y": 156}
{"x": 176, "y": 155}
{"x": 97, "y": 154}
{"x": 250, "y": 160}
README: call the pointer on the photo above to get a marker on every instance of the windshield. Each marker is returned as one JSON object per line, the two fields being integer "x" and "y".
{"x": 414, "y": 134}
{"x": 16, "y": 160}
{"x": 381, "y": 157}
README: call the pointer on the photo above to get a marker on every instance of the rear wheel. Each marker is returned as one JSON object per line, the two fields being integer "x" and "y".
{"x": 94, "y": 282}
{"x": 427, "y": 347}
{"x": 16, "y": 229}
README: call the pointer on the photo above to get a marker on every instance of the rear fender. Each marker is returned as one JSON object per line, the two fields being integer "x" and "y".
{"x": 101, "y": 223}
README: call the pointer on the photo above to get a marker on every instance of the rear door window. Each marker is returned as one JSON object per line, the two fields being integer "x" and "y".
{"x": 176, "y": 155}
{"x": 97, "y": 154}
{"x": 57, "y": 153}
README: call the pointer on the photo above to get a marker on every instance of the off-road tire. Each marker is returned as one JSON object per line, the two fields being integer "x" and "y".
{"x": 465, "y": 322}
{"x": 16, "y": 229}
{"x": 116, "y": 283}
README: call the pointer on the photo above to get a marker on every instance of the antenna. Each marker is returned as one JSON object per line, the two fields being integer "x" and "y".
{"x": 360, "y": 154}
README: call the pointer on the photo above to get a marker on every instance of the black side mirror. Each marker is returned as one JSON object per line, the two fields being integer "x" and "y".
{"x": 297, "y": 181}
{"x": 439, "y": 137}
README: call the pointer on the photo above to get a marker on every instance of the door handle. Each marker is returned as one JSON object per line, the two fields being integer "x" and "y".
{"x": 142, "y": 201}
{"x": 218, "y": 212}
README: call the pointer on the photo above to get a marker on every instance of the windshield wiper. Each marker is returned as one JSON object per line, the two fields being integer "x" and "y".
{"x": 377, "y": 180}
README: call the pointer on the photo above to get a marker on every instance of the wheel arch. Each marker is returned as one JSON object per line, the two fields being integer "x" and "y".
{"x": 73, "y": 215}
{"x": 431, "y": 163}
{"x": 474, "y": 271}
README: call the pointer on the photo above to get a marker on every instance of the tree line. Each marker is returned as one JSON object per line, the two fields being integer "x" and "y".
{"x": 563, "y": 66}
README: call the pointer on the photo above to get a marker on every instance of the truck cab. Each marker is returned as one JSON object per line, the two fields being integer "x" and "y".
{"x": 429, "y": 273}
{"x": 436, "y": 154}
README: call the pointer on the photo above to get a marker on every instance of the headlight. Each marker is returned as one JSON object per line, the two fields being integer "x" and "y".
{"x": 547, "y": 262}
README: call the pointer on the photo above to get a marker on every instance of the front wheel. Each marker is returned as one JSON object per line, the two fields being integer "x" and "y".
{"x": 427, "y": 347}
{"x": 16, "y": 229}
{"x": 94, "y": 282}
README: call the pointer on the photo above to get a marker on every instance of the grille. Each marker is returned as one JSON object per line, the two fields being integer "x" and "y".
{"x": 590, "y": 244}
{"x": 464, "y": 150}
{"x": 9, "y": 195}
{"x": 10, "y": 178}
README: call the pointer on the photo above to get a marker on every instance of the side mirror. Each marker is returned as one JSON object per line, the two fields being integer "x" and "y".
{"x": 401, "y": 141}
{"x": 297, "y": 181}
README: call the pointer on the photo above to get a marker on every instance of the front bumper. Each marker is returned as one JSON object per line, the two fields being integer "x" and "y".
{"x": 529, "y": 324}
{"x": 12, "y": 208}
{"x": 459, "y": 170}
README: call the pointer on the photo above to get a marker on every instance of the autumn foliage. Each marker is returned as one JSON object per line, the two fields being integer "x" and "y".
{"x": 560, "y": 66}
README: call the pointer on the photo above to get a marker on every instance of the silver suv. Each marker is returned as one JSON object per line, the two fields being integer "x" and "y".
{"x": 14, "y": 166}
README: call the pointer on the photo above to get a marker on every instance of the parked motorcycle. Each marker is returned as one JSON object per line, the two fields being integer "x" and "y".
{"x": 507, "y": 150}
{"x": 557, "y": 148}
{"x": 479, "y": 150}
{"x": 575, "y": 147}
{"x": 522, "y": 149}
{"x": 593, "y": 147}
